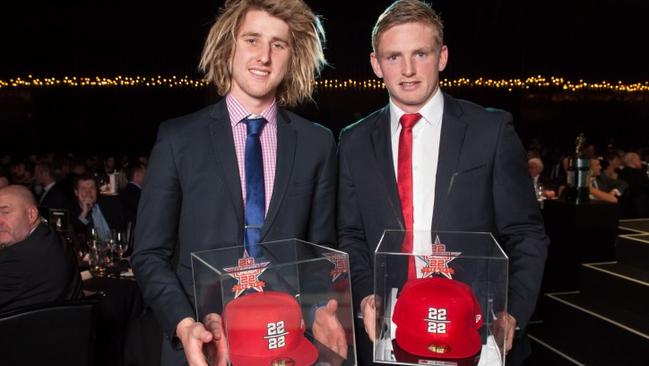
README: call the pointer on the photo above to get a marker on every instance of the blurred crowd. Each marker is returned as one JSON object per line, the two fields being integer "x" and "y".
{"x": 89, "y": 187}
{"x": 616, "y": 175}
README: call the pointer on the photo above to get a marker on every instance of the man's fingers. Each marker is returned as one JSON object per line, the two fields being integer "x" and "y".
{"x": 201, "y": 334}
{"x": 332, "y": 306}
{"x": 194, "y": 353}
{"x": 214, "y": 324}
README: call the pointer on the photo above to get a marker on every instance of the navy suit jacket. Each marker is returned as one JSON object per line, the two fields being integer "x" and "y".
{"x": 191, "y": 200}
{"x": 482, "y": 185}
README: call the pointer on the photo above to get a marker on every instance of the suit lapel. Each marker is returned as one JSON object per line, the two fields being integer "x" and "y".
{"x": 221, "y": 136}
{"x": 286, "y": 143}
{"x": 382, "y": 146}
{"x": 451, "y": 140}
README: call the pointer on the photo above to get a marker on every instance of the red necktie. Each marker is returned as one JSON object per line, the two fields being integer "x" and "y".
{"x": 404, "y": 183}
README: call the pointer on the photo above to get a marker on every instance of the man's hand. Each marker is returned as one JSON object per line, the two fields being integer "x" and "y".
{"x": 218, "y": 350}
{"x": 548, "y": 193}
{"x": 86, "y": 206}
{"x": 194, "y": 336}
{"x": 505, "y": 326}
{"x": 368, "y": 310}
{"x": 328, "y": 330}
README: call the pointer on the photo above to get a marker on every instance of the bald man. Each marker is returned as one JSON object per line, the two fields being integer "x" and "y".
{"x": 36, "y": 266}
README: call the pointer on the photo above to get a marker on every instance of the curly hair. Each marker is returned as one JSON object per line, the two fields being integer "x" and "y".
{"x": 306, "y": 43}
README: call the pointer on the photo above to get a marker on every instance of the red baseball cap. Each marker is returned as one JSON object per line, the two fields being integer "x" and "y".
{"x": 266, "y": 329}
{"x": 438, "y": 318}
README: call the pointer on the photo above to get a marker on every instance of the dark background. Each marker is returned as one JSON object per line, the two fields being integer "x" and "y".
{"x": 590, "y": 40}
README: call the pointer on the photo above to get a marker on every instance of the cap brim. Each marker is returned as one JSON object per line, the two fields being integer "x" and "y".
{"x": 401, "y": 355}
{"x": 305, "y": 354}
{"x": 468, "y": 346}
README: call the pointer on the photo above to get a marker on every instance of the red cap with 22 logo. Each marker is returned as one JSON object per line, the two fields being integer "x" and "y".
{"x": 438, "y": 318}
{"x": 265, "y": 329}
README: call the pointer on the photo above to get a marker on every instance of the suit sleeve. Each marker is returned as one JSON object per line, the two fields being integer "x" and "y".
{"x": 11, "y": 281}
{"x": 519, "y": 223}
{"x": 351, "y": 234}
{"x": 322, "y": 224}
{"x": 156, "y": 236}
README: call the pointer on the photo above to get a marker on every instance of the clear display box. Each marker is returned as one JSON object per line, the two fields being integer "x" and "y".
{"x": 442, "y": 303}
{"x": 274, "y": 305}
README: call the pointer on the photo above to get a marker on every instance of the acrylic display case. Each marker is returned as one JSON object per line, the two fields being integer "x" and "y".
{"x": 273, "y": 305}
{"x": 442, "y": 303}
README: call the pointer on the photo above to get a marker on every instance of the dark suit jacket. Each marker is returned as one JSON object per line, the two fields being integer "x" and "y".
{"x": 636, "y": 203}
{"x": 112, "y": 209}
{"x": 130, "y": 198}
{"x": 40, "y": 269}
{"x": 192, "y": 198}
{"x": 54, "y": 198}
{"x": 482, "y": 185}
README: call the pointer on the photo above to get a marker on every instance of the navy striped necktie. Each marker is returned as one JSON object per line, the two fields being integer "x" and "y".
{"x": 255, "y": 189}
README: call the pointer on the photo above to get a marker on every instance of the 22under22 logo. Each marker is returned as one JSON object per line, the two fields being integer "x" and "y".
{"x": 437, "y": 262}
{"x": 247, "y": 273}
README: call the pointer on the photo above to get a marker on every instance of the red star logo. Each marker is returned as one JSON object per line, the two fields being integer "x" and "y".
{"x": 247, "y": 274}
{"x": 437, "y": 262}
{"x": 340, "y": 264}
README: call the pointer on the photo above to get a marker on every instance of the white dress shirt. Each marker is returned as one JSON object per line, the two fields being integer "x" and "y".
{"x": 425, "y": 152}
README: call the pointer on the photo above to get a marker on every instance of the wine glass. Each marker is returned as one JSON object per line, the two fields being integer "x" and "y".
{"x": 121, "y": 245}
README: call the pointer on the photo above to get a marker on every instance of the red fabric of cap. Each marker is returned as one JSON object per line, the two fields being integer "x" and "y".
{"x": 438, "y": 318}
{"x": 266, "y": 328}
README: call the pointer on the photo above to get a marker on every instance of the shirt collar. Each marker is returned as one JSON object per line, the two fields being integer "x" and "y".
{"x": 431, "y": 112}
{"x": 238, "y": 112}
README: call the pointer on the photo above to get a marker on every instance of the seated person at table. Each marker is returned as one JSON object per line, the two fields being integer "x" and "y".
{"x": 597, "y": 192}
{"x": 92, "y": 210}
{"x": 535, "y": 168}
{"x": 635, "y": 174}
{"x": 130, "y": 196}
{"x": 53, "y": 195}
{"x": 4, "y": 179}
{"x": 612, "y": 164}
{"x": 36, "y": 266}
{"x": 608, "y": 180}
{"x": 21, "y": 174}
{"x": 77, "y": 168}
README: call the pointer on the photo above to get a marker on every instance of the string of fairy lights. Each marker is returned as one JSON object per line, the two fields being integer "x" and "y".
{"x": 159, "y": 81}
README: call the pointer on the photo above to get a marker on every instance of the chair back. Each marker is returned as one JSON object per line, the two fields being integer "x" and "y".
{"x": 59, "y": 333}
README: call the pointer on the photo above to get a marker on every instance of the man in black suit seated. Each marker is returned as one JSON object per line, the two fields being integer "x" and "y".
{"x": 53, "y": 195}
{"x": 130, "y": 197}
{"x": 36, "y": 266}
{"x": 92, "y": 210}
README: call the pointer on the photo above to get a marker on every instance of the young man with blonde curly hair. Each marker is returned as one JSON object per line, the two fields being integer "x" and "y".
{"x": 241, "y": 171}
